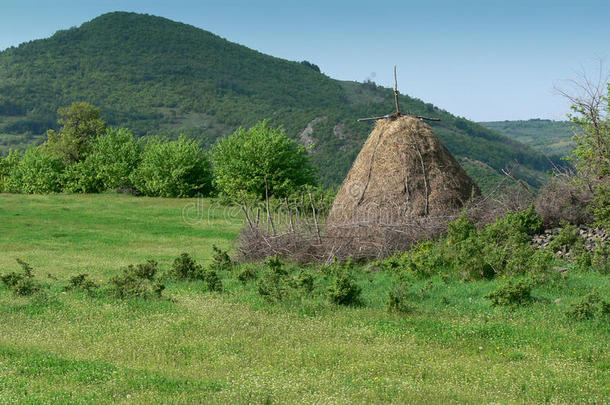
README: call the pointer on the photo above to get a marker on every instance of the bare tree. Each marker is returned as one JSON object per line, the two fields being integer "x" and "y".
{"x": 588, "y": 97}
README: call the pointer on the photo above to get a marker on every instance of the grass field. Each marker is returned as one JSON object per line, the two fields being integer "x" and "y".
{"x": 236, "y": 347}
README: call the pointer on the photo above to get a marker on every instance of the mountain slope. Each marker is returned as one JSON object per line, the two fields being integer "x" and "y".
{"x": 553, "y": 138}
{"x": 157, "y": 76}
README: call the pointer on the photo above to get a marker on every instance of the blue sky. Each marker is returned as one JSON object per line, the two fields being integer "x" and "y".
{"x": 484, "y": 60}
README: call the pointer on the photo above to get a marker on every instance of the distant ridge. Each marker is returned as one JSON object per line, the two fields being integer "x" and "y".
{"x": 157, "y": 76}
{"x": 553, "y": 138}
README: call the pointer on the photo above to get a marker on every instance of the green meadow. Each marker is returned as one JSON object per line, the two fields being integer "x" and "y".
{"x": 235, "y": 346}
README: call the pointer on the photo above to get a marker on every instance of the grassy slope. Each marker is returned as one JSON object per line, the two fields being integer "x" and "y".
{"x": 157, "y": 76}
{"x": 235, "y": 347}
{"x": 553, "y": 138}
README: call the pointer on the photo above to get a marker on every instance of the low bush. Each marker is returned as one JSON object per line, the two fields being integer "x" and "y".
{"x": 221, "y": 260}
{"x": 185, "y": 267}
{"x": 273, "y": 283}
{"x": 246, "y": 273}
{"x": 591, "y": 306}
{"x": 601, "y": 258}
{"x": 304, "y": 281}
{"x": 137, "y": 282}
{"x": 422, "y": 260}
{"x": 344, "y": 290}
{"x": 601, "y": 206}
{"x": 83, "y": 282}
{"x": 568, "y": 238}
{"x": 22, "y": 283}
{"x": 398, "y": 300}
{"x": 502, "y": 247}
{"x": 212, "y": 281}
{"x": 512, "y": 293}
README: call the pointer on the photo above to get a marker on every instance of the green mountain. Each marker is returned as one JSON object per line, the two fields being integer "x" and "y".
{"x": 157, "y": 76}
{"x": 553, "y": 138}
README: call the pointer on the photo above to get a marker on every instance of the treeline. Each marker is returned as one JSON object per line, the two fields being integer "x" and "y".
{"x": 85, "y": 156}
{"x": 116, "y": 161}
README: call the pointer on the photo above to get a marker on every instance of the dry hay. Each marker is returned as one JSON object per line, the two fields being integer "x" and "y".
{"x": 403, "y": 187}
{"x": 402, "y": 174}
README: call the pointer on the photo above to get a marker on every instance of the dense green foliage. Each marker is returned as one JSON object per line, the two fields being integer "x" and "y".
{"x": 112, "y": 160}
{"x": 80, "y": 123}
{"x": 500, "y": 249}
{"x": 158, "y": 77}
{"x": 261, "y": 162}
{"x": 591, "y": 157}
{"x": 109, "y": 164}
{"x": 553, "y": 138}
{"x": 37, "y": 172}
{"x": 173, "y": 169}
{"x": 592, "y": 116}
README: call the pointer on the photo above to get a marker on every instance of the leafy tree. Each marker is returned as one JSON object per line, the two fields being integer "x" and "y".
{"x": 7, "y": 165}
{"x": 173, "y": 169}
{"x": 111, "y": 160}
{"x": 80, "y": 123}
{"x": 260, "y": 159}
{"x": 38, "y": 172}
{"x": 591, "y": 113}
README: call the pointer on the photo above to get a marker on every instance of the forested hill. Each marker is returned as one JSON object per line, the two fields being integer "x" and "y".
{"x": 551, "y": 137}
{"x": 157, "y": 76}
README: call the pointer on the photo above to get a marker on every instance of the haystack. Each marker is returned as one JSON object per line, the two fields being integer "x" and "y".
{"x": 403, "y": 172}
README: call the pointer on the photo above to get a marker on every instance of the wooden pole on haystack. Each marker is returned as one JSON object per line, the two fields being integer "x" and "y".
{"x": 396, "y": 93}
{"x": 397, "y": 113}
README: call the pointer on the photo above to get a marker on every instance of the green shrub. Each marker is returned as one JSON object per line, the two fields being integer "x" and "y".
{"x": 82, "y": 177}
{"x": 502, "y": 247}
{"x": 220, "y": 260}
{"x": 173, "y": 169}
{"x": 423, "y": 260}
{"x": 186, "y": 268}
{"x": 146, "y": 270}
{"x": 113, "y": 157}
{"x": 518, "y": 225}
{"x": 568, "y": 237}
{"x": 137, "y": 282}
{"x": 304, "y": 281}
{"x": 512, "y": 293}
{"x": 601, "y": 258}
{"x": 38, "y": 172}
{"x": 246, "y": 273}
{"x": 273, "y": 283}
{"x": 344, "y": 290}
{"x": 249, "y": 161}
{"x": 22, "y": 283}
{"x": 7, "y": 165}
{"x": 398, "y": 300}
{"x": 212, "y": 281}
{"x": 601, "y": 206}
{"x": 590, "y": 306}
{"x": 83, "y": 282}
